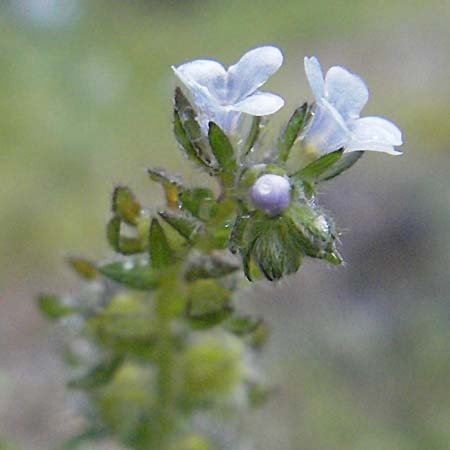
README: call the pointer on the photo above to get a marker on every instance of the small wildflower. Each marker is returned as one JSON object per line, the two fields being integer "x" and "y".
{"x": 336, "y": 122}
{"x": 222, "y": 95}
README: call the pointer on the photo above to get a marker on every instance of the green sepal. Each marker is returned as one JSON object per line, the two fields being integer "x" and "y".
{"x": 188, "y": 132}
{"x": 276, "y": 248}
{"x": 125, "y": 205}
{"x": 313, "y": 171}
{"x": 345, "y": 162}
{"x": 83, "y": 267}
{"x": 99, "y": 375}
{"x": 200, "y": 202}
{"x": 122, "y": 244}
{"x": 315, "y": 230}
{"x": 252, "y": 135}
{"x": 186, "y": 226}
{"x": 54, "y": 307}
{"x": 292, "y": 131}
{"x": 238, "y": 235}
{"x": 241, "y": 325}
{"x": 161, "y": 254}
{"x": 222, "y": 148}
{"x": 134, "y": 273}
{"x": 215, "y": 265}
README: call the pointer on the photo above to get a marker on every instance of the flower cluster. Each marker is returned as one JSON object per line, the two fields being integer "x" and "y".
{"x": 160, "y": 339}
{"x": 222, "y": 96}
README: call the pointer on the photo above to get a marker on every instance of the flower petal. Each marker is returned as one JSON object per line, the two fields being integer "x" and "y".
{"x": 260, "y": 104}
{"x": 327, "y": 131}
{"x": 376, "y": 134}
{"x": 251, "y": 71}
{"x": 315, "y": 77}
{"x": 203, "y": 72}
{"x": 346, "y": 91}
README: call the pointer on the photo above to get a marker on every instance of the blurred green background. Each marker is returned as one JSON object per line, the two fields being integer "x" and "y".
{"x": 360, "y": 354}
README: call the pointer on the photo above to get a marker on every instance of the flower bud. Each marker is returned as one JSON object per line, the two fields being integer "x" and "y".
{"x": 271, "y": 193}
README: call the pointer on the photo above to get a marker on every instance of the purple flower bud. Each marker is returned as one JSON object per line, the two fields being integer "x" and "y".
{"x": 271, "y": 193}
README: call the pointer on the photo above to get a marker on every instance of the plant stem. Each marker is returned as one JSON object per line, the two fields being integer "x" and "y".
{"x": 168, "y": 302}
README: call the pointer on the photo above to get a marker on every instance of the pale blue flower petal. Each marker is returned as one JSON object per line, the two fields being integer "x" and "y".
{"x": 327, "y": 131}
{"x": 204, "y": 72}
{"x": 346, "y": 92}
{"x": 260, "y": 104}
{"x": 252, "y": 71}
{"x": 315, "y": 77}
{"x": 375, "y": 134}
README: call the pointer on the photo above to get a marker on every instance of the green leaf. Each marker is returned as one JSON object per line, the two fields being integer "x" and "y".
{"x": 200, "y": 202}
{"x": 122, "y": 244}
{"x": 215, "y": 265}
{"x": 160, "y": 252}
{"x": 347, "y": 160}
{"x": 98, "y": 376}
{"x": 222, "y": 148}
{"x": 252, "y": 135}
{"x": 83, "y": 267}
{"x": 113, "y": 233}
{"x": 134, "y": 273}
{"x": 125, "y": 206}
{"x": 186, "y": 226}
{"x": 188, "y": 132}
{"x": 55, "y": 307}
{"x": 241, "y": 325}
{"x": 319, "y": 166}
{"x": 292, "y": 131}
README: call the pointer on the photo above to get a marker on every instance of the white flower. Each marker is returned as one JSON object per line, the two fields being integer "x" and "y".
{"x": 335, "y": 124}
{"x": 222, "y": 95}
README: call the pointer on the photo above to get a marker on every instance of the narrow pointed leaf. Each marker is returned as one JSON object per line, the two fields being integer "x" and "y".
{"x": 188, "y": 132}
{"x": 319, "y": 166}
{"x": 83, "y": 267}
{"x": 252, "y": 135}
{"x": 292, "y": 131}
{"x": 55, "y": 307}
{"x": 125, "y": 205}
{"x": 222, "y": 148}
{"x": 99, "y": 375}
{"x": 186, "y": 226}
{"x": 347, "y": 160}
{"x": 134, "y": 273}
{"x": 160, "y": 252}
